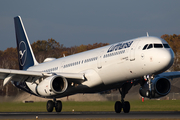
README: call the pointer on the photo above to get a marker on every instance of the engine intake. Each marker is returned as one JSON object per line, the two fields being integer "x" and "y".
{"x": 163, "y": 86}
{"x": 59, "y": 84}
{"x": 160, "y": 87}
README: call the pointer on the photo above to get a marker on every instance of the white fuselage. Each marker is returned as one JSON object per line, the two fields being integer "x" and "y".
{"x": 113, "y": 63}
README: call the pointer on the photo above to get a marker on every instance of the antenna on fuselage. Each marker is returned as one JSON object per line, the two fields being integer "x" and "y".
{"x": 147, "y": 34}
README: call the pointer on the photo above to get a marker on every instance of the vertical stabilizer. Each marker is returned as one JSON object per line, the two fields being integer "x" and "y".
{"x": 25, "y": 54}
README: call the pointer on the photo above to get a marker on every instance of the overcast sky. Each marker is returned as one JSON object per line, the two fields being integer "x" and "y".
{"x": 76, "y": 22}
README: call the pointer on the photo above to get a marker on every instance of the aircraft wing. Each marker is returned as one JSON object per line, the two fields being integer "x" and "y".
{"x": 31, "y": 76}
{"x": 169, "y": 75}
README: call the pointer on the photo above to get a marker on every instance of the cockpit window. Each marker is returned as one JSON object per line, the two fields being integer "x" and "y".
{"x": 150, "y": 46}
{"x": 155, "y": 45}
{"x": 158, "y": 46}
{"x": 145, "y": 47}
{"x": 166, "y": 46}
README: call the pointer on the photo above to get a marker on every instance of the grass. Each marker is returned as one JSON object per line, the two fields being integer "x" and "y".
{"x": 156, "y": 105}
{"x": 137, "y": 105}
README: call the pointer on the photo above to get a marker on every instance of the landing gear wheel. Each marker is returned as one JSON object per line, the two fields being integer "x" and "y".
{"x": 58, "y": 106}
{"x": 50, "y": 106}
{"x": 118, "y": 106}
{"x": 126, "y": 107}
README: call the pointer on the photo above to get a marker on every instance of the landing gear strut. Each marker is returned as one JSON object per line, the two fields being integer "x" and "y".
{"x": 51, "y": 104}
{"x": 125, "y": 105}
{"x": 150, "y": 93}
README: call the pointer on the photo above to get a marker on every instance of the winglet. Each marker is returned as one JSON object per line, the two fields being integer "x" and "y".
{"x": 25, "y": 54}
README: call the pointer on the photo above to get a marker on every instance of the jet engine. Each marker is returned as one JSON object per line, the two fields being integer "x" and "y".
{"x": 160, "y": 87}
{"x": 52, "y": 85}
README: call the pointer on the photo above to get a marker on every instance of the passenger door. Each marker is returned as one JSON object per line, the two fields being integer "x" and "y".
{"x": 132, "y": 50}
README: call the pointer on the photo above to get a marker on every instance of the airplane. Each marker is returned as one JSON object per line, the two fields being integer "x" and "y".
{"x": 116, "y": 66}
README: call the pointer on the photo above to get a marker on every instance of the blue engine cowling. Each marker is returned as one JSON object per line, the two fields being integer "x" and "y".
{"x": 160, "y": 87}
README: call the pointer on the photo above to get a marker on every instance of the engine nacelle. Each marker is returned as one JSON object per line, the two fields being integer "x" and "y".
{"x": 160, "y": 87}
{"x": 52, "y": 85}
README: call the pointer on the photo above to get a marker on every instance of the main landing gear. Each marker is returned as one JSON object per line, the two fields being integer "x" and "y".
{"x": 125, "y": 105}
{"x": 51, "y": 104}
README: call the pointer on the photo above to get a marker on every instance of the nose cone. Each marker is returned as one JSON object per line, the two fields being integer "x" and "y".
{"x": 166, "y": 59}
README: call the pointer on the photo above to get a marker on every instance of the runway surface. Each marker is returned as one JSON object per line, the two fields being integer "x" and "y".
{"x": 32, "y": 115}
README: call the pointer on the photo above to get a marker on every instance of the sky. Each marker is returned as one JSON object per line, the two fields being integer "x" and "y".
{"x": 76, "y": 22}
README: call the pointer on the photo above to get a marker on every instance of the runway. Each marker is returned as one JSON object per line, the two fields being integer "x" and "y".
{"x": 83, "y": 115}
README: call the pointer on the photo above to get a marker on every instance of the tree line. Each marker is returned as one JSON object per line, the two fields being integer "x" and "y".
{"x": 51, "y": 48}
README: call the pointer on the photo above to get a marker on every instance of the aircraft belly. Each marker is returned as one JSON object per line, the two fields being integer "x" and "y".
{"x": 85, "y": 89}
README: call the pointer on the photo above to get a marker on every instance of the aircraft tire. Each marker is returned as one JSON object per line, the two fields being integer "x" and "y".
{"x": 118, "y": 107}
{"x": 50, "y": 105}
{"x": 58, "y": 106}
{"x": 126, "y": 107}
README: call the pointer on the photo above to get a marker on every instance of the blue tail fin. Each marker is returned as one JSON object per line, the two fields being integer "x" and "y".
{"x": 25, "y": 54}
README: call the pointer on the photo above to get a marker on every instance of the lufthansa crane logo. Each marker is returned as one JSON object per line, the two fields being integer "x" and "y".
{"x": 22, "y": 53}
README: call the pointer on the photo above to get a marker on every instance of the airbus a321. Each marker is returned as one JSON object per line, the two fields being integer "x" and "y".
{"x": 117, "y": 66}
